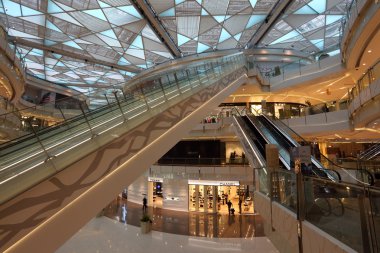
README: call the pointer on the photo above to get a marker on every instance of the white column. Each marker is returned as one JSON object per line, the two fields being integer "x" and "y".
{"x": 150, "y": 194}
{"x": 205, "y": 204}
{"x": 197, "y": 198}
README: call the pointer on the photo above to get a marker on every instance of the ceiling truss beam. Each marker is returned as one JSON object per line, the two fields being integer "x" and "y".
{"x": 151, "y": 17}
{"x": 271, "y": 19}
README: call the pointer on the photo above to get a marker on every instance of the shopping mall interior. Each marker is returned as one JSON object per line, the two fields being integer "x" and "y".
{"x": 190, "y": 126}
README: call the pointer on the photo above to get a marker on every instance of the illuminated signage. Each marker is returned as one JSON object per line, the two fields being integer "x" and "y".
{"x": 171, "y": 198}
{"x": 156, "y": 179}
{"x": 215, "y": 183}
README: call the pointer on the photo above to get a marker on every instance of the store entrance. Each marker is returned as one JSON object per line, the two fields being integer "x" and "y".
{"x": 201, "y": 198}
{"x": 157, "y": 194}
{"x": 155, "y": 198}
{"x": 214, "y": 199}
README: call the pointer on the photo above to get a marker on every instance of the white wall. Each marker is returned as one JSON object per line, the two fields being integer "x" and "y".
{"x": 137, "y": 189}
{"x": 177, "y": 189}
{"x": 325, "y": 123}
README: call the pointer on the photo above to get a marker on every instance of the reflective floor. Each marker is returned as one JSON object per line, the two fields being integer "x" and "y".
{"x": 189, "y": 223}
{"x": 103, "y": 235}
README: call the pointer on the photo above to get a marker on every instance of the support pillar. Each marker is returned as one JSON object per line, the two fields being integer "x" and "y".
{"x": 214, "y": 199}
{"x": 197, "y": 198}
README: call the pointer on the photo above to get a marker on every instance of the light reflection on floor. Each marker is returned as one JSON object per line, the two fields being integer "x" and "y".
{"x": 103, "y": 235}
{"x": 190, "y": 223}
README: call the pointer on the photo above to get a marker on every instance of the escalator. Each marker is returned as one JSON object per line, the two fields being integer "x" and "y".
{"x": 286, "y": 143}
{"x": 264, "y": 132}
{"x": 359, "y": 176}
{"x": 263, "y": 137}
{"x": 271, "y": 131}
{"x": 62, "y": 176}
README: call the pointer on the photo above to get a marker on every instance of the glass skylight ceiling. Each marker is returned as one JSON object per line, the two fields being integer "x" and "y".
{"x": 203, "y": 25}
{"x": 113, "y": 31}
{"x": 82, "y": 76}
{"x": 310, "y": 26}
{"x": 107, "y": 30}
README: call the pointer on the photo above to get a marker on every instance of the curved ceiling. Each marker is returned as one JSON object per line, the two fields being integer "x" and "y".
{"x": 54, "y": 36}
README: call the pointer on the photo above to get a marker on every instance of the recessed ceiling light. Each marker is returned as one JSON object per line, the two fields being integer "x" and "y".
{"x": 369, "y": 51}
{"x": 363, "y": 64}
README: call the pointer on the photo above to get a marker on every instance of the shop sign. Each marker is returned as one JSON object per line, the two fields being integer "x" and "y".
{"x": 156, "y": 179}
{"x": 171, "y": 198}
{"x": 229, "y": 183}
{"x": 216, "y": 183}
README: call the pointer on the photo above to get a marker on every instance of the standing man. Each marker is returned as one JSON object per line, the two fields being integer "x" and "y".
{"x": 240, "y": 201}
{"x": 144, "y": 204}
{"x": 229, "y": 204}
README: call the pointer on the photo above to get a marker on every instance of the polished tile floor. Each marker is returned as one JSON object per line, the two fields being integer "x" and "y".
{"x": 103, "y": 235}
{"x": 189, "y": 223}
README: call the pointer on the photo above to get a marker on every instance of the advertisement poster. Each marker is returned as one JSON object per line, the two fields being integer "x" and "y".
{"x": 300, "y": 159}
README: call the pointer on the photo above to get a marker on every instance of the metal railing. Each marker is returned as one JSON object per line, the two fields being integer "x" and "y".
{"x": 368, "y": 78}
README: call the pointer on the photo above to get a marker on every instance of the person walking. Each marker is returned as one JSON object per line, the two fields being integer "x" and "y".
{"x": 240, "y": 201}
{"x": 229, "y": 204}
{"x": 145, "y": 204}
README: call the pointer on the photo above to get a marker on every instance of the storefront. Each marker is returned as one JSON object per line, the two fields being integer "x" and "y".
{"x": 212, "y": 196}
{"x": 183, "y": 190}
{"x": 155, "y": 197}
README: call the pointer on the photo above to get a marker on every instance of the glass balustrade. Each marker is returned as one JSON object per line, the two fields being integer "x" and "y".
{"x": 347, "y": 212}
{"x": 238, "y": 161}
{"x": 369, "y": 77}
{"x": 339, "y": 210}
{"x": 283, "y": 188}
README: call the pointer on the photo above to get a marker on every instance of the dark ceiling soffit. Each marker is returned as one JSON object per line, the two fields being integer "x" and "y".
{"x": 271, "y": 19}
{"x": 151, "y": 17}
{"x": 84, "y": 58}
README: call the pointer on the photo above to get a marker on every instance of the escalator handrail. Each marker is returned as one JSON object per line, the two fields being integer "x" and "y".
{"x": 259, "y": 157}
{"x": 370, "y": 176}
{"x": 296, "y": 144}
{"x": 282, "y": 159}
{"x": 375, "y": 150}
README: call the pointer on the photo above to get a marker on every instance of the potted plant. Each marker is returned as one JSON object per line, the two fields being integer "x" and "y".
{"x": 145, "y": 224}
